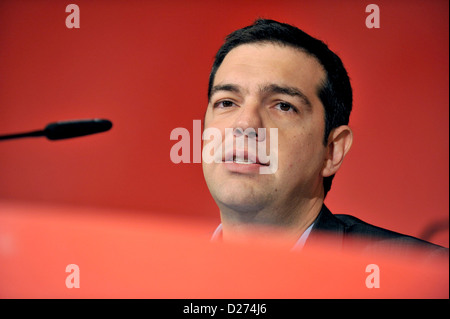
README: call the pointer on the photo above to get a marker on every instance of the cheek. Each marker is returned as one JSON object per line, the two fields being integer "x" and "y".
{"x": 300, "y": 151}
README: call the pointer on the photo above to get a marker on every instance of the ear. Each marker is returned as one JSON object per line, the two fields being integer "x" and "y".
{"x": 339, "y": 142}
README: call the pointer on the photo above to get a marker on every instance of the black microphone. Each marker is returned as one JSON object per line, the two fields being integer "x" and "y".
{"x": 66, "y": 129}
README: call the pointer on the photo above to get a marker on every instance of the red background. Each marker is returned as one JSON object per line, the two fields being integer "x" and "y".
{"x": 145, "y": 65}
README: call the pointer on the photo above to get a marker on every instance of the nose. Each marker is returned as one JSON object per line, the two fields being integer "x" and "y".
{"x": 249, "y": 122}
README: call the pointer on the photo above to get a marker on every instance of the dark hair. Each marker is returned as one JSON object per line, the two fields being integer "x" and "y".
{"x": 335, "y": 92}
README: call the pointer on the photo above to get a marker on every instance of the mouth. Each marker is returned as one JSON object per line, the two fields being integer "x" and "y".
{"x": 244, "y": 158}
{"x": 238, "y": 161}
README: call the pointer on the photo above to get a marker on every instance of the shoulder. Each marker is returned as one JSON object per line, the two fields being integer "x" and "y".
{"x": 351, "y": 230}
{"x": 355, "y": 227}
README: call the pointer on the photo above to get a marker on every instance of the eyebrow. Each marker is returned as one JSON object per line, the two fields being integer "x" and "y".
{"x": 225, "y": 87}
{"x": 270, "y": 88}
{"x": 287, "y": 90}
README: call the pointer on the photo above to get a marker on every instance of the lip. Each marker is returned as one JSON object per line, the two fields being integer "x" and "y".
{"x": 242, "y": 168}
{"x": 231, "y": 165}
{"x": 231, "y": 155}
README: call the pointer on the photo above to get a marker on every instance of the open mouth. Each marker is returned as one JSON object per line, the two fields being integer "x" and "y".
{"x": 243, "y": 158}
{"x": 242, "y": 161}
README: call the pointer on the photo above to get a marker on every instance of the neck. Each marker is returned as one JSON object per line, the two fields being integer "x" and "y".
{"x": 286, "y": 224}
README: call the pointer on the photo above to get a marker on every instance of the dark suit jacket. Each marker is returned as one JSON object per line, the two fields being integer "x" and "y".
{"x": 350, "y": 232}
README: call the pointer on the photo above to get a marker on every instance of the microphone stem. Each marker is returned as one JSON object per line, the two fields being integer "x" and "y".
{"x": 19, "y": 135}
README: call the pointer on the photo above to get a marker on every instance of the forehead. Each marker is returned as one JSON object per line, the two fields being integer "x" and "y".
{"x": 261, "y": 63}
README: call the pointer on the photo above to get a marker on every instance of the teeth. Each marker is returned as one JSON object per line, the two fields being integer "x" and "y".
{"x": 243, "y": 162}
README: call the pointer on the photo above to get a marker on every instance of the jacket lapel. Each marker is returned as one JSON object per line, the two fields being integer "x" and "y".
{"x": 327, "y": 228}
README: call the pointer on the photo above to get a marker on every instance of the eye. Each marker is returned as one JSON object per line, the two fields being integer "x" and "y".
{"x": 224, "y": 104}
{"x": 286, "y": 107}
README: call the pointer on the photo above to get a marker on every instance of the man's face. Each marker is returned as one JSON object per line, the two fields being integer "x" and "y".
{"x": 268, "y": 86}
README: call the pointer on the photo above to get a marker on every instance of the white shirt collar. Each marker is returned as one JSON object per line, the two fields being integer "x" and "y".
{"x": 217, "y": 235}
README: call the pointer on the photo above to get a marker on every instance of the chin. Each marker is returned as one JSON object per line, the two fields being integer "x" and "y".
{"x": 241, "y": 200}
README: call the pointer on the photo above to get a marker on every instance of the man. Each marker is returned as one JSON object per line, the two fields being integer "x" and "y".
{"x": 273, "y": 75}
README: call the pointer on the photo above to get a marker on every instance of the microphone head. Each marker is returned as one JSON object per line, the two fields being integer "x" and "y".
{"x": 75, "y": 128}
